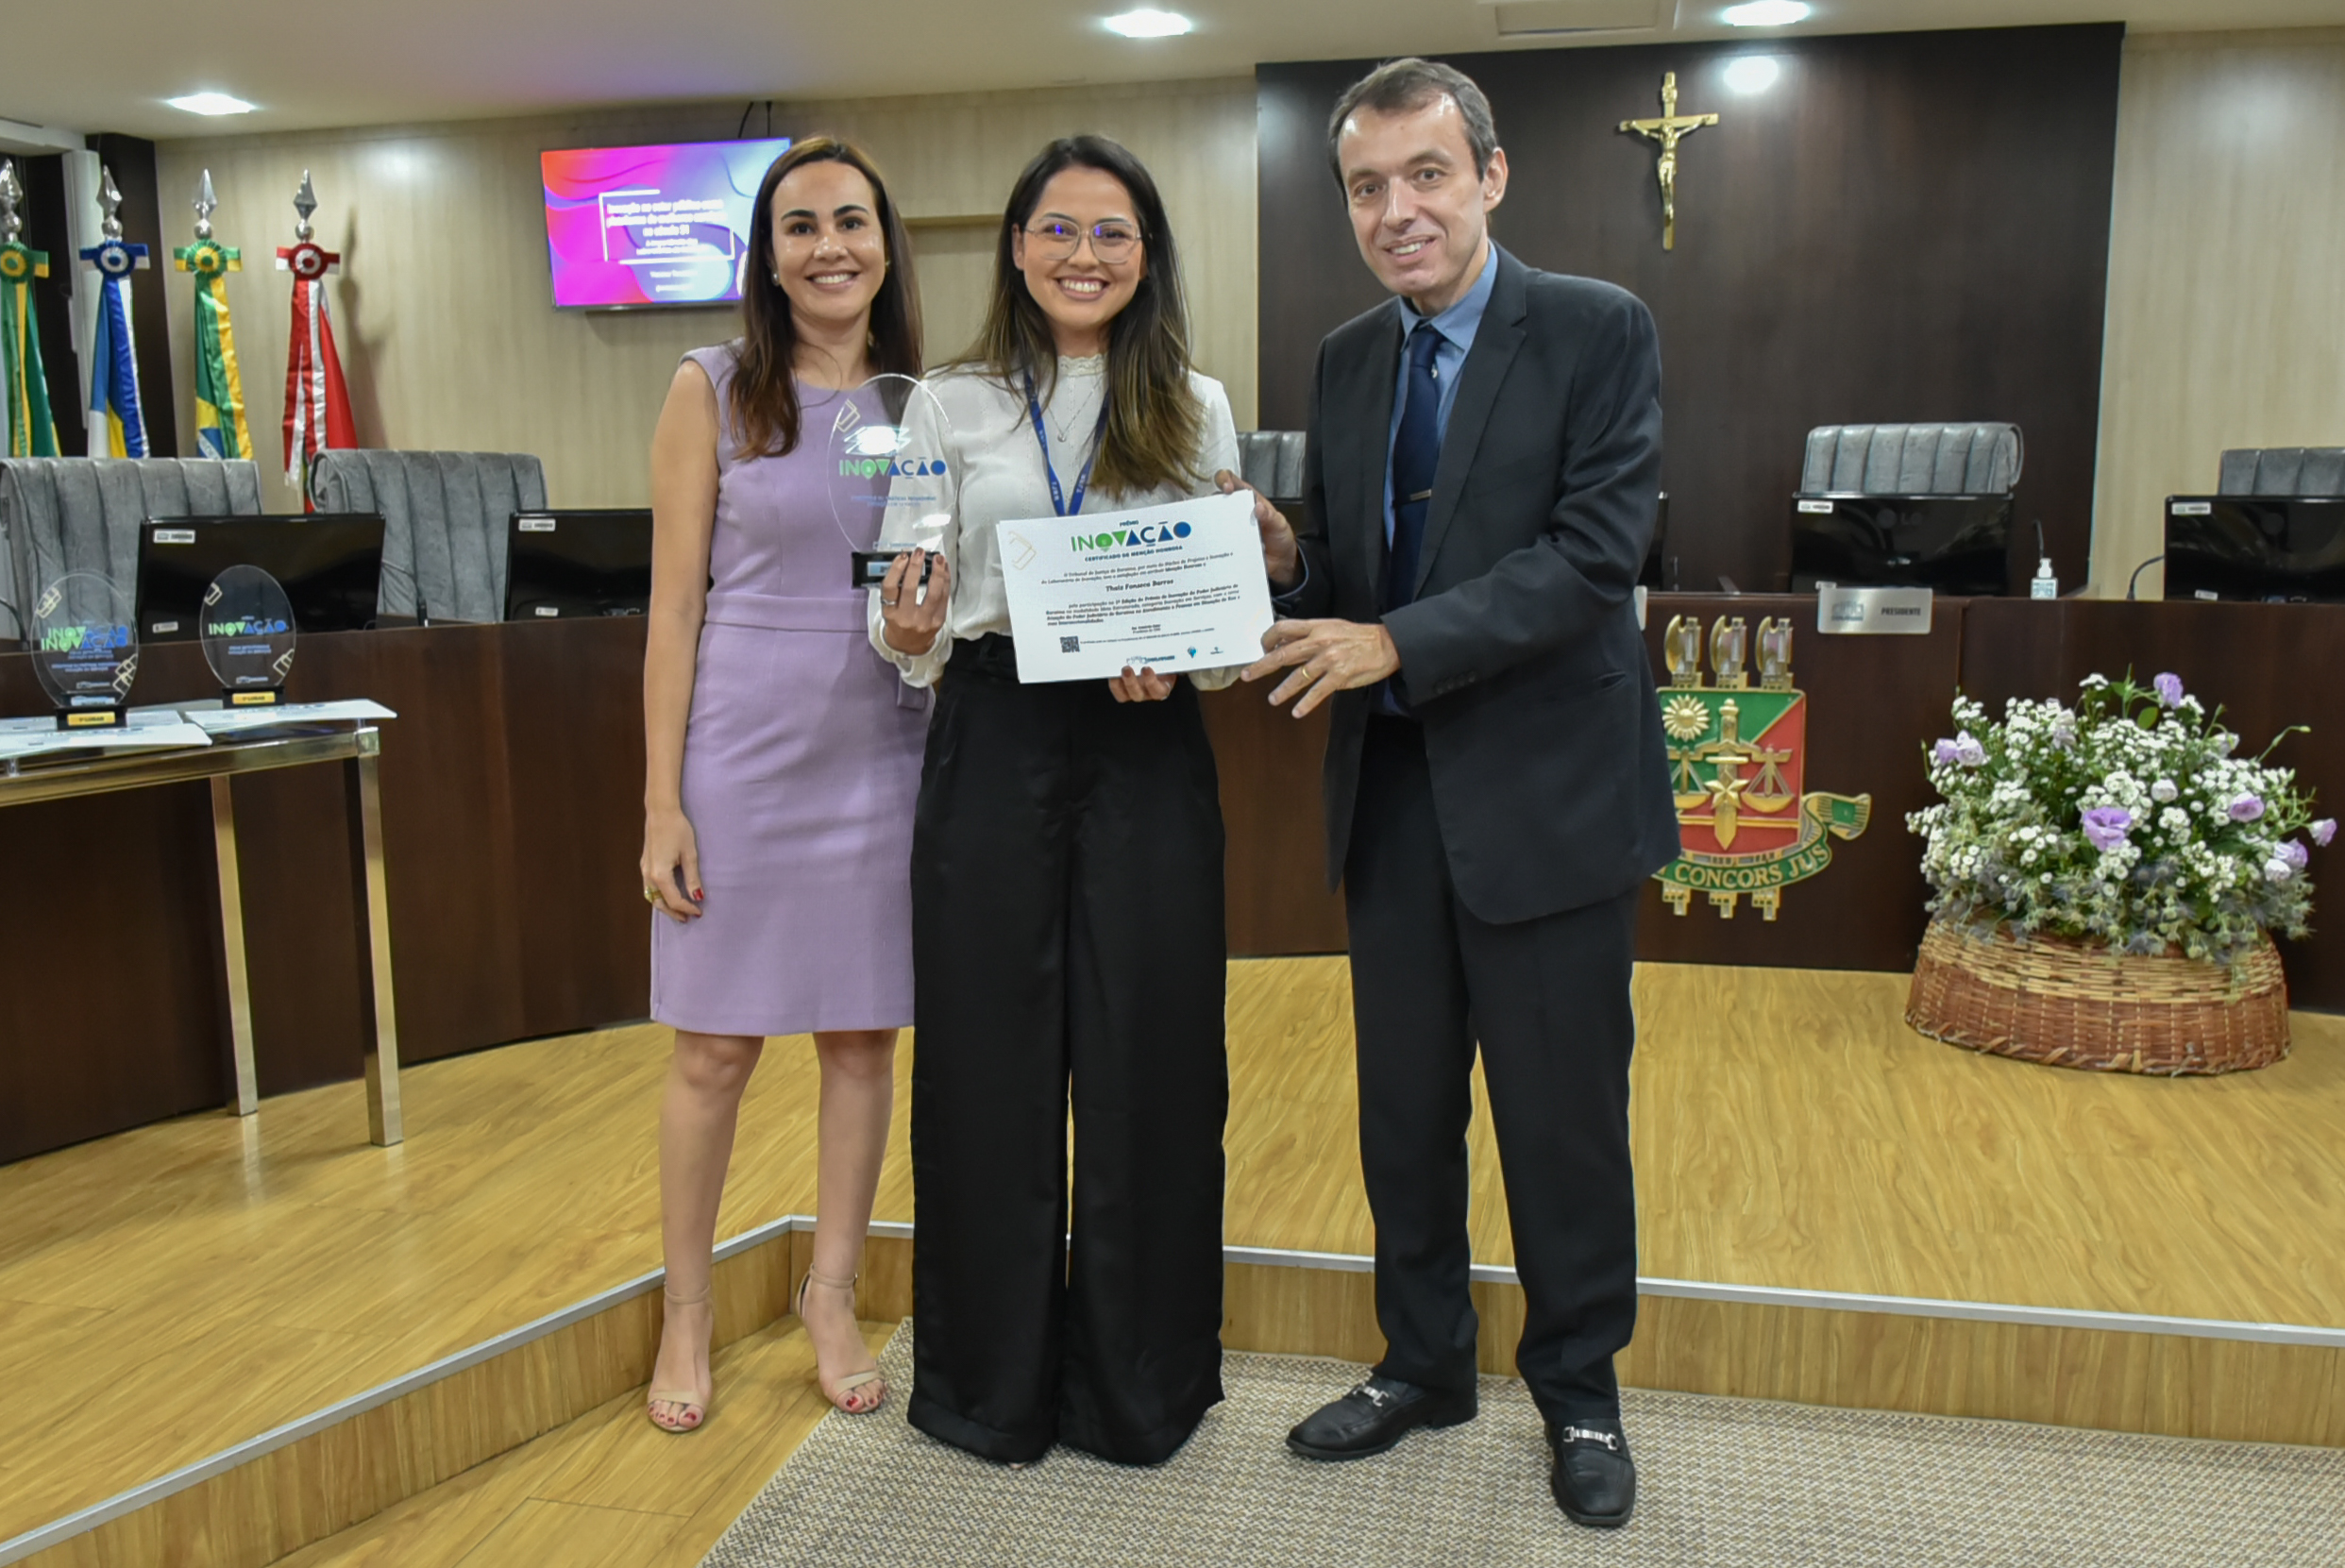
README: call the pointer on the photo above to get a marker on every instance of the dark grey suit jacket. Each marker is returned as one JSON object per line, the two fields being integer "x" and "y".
{"x": 1520, "y": 654}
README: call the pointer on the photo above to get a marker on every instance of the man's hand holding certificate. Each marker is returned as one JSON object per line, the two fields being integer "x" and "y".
{"x": 1167, "y": 588}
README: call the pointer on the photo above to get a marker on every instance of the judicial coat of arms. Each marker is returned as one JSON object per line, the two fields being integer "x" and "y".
{"x": 1747, "y": 823}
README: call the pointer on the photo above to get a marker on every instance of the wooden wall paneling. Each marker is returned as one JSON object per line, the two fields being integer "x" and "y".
{"x": 114, "y": 1011}
{"x": 1908, "y": 226}
{"x": 2260, "y": 662}
{"x": 574, "y": 782}
{"x": 1274, "y": 869}
{"x": 444, "y": 309}
{"x": 2226, "y": 300}
{"x": 448, "y": 837}
{"x": 1873, "y": 703}
{"x": 957, "y": 155}
{"x": 144, "y": 203}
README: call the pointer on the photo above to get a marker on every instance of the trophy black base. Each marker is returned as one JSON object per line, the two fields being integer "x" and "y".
{"x": 268, "y": 697}
{"x": 92, "y": 718}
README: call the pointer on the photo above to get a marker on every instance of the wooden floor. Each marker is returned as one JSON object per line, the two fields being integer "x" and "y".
{"x": 172, "y": 1291}
{"x": 608, "y": 1491}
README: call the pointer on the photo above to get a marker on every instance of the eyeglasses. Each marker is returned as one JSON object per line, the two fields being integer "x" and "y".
{"x": 1058, "y": 239}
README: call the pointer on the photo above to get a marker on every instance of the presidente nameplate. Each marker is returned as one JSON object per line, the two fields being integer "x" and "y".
{"x": 1872, "y": 611}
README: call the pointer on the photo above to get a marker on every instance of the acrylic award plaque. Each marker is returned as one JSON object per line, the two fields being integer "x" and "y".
{"x": 892, "y": 484}
{"x": 85, "y": 649}
{"x": 248, "y": 624}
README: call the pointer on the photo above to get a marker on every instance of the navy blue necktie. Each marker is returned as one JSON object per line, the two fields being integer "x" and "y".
{"x": 1416, "y": 452}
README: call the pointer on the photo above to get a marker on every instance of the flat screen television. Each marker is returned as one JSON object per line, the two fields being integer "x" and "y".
{"x": 627, "y": 228}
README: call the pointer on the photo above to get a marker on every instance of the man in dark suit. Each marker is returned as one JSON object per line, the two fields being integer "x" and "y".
{"x": 1483, "y": 469}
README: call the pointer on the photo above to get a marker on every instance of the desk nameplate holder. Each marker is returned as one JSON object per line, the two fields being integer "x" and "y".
{"x": 1872, "y": 611}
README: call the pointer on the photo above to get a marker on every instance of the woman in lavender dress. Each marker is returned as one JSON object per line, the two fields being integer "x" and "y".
{"x": 782, "y": 764}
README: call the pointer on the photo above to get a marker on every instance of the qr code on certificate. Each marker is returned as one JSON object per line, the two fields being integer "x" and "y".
{"x": 1070, "y": 645}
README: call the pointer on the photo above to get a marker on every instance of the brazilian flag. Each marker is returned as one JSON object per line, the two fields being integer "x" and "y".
{"x": 32, "y": 432}
{"x": 219, "y": 387}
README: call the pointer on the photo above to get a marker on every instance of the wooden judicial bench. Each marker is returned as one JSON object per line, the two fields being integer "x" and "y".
{"x": 512, "y": 799}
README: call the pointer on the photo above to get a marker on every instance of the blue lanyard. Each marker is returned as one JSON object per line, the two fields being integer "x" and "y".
{"x": 1083, "y": 480}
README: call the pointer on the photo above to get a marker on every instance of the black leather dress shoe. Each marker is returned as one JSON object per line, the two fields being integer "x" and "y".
{"x": 1375, "y": 1416}
{"x": 1595, "y": 1479}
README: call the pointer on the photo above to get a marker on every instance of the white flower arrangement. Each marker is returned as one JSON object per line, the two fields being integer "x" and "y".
{"x": 2127, "y": 820}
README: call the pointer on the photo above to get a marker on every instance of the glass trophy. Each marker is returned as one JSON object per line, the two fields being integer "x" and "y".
{"x": 248, "y": 636}
{"x": 85, "y": 649}
{"x": 892, "y": 484}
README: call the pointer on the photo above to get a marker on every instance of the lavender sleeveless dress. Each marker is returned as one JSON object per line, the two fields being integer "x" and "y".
{"x": 802, "y": 763}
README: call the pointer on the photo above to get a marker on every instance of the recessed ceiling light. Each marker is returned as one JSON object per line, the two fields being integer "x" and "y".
{"x": 210, "y": 103}
{"x": 1753, "y": 72}
{"x": 1767, "y": 13}
{"x": 1149, "y": 25}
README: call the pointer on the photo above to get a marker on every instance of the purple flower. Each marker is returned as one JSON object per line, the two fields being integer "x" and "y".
{"x": 2323, "y": 831}
{"x": 2294, "y": 853}
{"x": 2107, "y": 826}
{"x": 1946, "y": 754}
{"x": 2170, "y": 690}
{"x": 2247, "y": 808}
{"x": 2277, "y": 870}
{"x": 1968, "y": 752}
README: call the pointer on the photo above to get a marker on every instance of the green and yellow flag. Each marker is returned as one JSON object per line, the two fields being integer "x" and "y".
{"x": 32, "y": 433}
{"x": 219, "y": 387}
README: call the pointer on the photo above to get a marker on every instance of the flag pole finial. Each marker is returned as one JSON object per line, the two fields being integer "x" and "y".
{"x": 206, "y": 203}
{"x": 109, "y": 198}
{"x": 11, "y": 194}
{"x": 305, "y": 203}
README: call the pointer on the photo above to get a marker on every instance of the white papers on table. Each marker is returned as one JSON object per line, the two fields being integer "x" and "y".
{"x": 231, "y": 722}
{"x": 1164, "y": 588}
{"x": 146, "y": 729}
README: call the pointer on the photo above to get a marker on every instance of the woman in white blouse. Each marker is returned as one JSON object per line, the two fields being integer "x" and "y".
{"x": 1066, "y": 873}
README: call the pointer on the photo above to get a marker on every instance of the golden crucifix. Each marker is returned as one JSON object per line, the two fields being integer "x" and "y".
{"x": 1668, "y": 131}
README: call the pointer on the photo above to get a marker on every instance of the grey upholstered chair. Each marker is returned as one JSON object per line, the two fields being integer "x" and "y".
{"x": 1272, "y": 462}
{"x": 60, "y": 515}
{"x": 444, "y": 518}
{"x": 2283, "y": 471}
{"x": 1912, "y": 460}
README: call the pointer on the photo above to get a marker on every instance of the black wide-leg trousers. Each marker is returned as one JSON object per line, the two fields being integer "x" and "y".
{"x": 1549, "y": 1001}
{"x": 1067, "y": 938}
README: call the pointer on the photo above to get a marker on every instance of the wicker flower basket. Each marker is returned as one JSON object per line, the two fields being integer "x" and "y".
{"x": 2069, "y": 1004}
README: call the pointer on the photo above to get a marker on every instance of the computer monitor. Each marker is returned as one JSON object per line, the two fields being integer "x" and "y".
{"x": 561, "y": 564}
{"x": 2279, "y": 549}
{"x": 330, "y": 565}
{"x": 1957, "y": 545}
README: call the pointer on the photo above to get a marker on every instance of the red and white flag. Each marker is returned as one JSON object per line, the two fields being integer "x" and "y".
{"x": 318, "y": 404}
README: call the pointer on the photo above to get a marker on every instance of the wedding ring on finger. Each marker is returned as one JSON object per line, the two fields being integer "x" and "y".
{"x": 651, "y": 895}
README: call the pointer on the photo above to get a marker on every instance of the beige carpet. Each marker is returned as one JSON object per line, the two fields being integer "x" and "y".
{"x": 1724, "y": 1482}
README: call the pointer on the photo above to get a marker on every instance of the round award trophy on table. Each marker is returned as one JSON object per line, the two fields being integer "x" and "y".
{"x": 892, "y": 484}
{"x": 85, "y": 649}
{"x": 248, "y": 636}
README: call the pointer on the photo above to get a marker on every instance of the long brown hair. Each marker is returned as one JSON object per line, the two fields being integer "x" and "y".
{"x": 1155, "y": 421}
{"x": 765, "y": 393}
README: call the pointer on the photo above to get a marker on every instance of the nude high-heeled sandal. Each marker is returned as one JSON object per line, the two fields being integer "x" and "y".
{"x": 854, "y": 1380}
{"x": 693, "y": 1400}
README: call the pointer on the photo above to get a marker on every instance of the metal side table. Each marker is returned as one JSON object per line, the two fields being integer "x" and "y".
{"x": 356, "y": 746}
